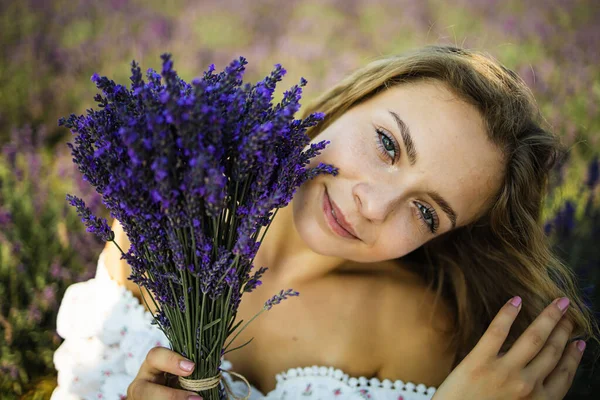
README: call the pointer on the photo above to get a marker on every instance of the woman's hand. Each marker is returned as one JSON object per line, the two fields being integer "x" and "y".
{"x": 539, "y": 366}
{"x": 150, "y": 382}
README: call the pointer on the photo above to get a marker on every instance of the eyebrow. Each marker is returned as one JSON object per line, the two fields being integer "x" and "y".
{"x": 412, "y": 159}
{"x": 444, "y": 206}
{"x": 406, "y": 138}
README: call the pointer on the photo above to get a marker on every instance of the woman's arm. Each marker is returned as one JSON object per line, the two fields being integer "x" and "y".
{"x": 118, "y": 269}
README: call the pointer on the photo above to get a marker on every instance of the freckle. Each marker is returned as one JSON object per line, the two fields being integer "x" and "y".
{"x": 294, "y": 338}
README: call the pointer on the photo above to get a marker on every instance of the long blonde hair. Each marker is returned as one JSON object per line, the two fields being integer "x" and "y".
{"x": 478, "y": 267}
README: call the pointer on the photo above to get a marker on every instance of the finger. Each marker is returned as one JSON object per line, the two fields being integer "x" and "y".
{"x": 561, "y": 378}
{"x": 533, "y": 339}
{"x": 539, "y": 368}
{"x": 493, "y": 338}
{"x": 144, "y": 390}
{"x": 160, "y": 360}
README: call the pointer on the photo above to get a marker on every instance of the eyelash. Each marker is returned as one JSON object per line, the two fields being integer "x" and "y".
{"x": 435, "y": 221}
{"x": 381, "y": 147}
{"x": 433, "y": 226}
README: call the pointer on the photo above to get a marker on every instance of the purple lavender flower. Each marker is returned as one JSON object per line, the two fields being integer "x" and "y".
{"x": 11, "y": 369}
{"x": 34, "y": 314}
{"x": 94, "y": 224}
{"x": 49, "y": 295}
{"x": 255, "y": 281}
{"x": 193, "y": 172}
{"x": 279, "y": 297}
{"x": 55, "y": 270}
{"x": 162, "y": 320}
{"x": 5, "y": 217}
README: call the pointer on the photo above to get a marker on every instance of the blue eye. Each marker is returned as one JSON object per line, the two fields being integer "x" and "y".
{"x": 386, "y": 143}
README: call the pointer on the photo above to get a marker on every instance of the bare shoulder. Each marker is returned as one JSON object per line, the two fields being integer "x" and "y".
{"x": 117, "y": 268}
{"x": 415, "y": 327}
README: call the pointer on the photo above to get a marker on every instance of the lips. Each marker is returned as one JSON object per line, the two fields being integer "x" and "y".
{"x": 339, "y": 217}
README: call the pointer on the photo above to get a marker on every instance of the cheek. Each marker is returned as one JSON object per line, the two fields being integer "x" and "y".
{"x": 306, "y": 207}
{"x": 391, "y": 243}
{"x": 396, "y": 246}
{"x": 309, "y": 225}
{"x": 350, "y": 147}
{"x": 401, "y": 236}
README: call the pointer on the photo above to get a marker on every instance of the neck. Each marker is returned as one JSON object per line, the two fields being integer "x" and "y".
{"x": 287, "y": 255}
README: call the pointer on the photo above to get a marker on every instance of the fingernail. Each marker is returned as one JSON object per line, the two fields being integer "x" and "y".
{"x": 562, "y": 303}
{"x": 515, "y": 301}
{"x": 194, "y": 398}
{"x": 186, "y": 365}
{"x": 581, "y": 345}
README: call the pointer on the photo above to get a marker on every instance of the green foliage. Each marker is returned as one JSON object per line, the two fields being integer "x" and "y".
{"x": 38, "y": 260}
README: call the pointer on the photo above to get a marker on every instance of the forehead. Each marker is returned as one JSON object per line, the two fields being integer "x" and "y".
{"x": 455, "y": 157}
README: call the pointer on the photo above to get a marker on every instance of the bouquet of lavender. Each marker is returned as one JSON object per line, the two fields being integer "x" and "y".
{"x": 194, "y": 173}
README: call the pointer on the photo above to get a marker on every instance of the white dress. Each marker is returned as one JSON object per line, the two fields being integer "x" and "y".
{"x": 108, "y": 333}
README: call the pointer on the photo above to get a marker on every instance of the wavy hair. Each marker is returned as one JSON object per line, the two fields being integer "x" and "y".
{"x": 476, "y": 268}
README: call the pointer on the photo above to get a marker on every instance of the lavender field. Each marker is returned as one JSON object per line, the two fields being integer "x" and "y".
{"x": 49, "y": 49}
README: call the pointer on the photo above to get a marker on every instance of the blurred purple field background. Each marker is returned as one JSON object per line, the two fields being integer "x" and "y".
{"x": 50, "y": 48}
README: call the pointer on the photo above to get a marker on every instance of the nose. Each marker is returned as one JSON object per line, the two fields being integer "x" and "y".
{"x": 375, "y": 203}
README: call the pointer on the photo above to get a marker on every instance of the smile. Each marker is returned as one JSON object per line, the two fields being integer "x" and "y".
{"x": 332, "y": 221}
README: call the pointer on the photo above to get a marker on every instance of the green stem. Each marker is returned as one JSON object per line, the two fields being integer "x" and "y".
{"x": 265, "y": 232}
{"x": 244, "y": 327}
{"x": 239, "y": 347}
{"x": 232, "y": 217}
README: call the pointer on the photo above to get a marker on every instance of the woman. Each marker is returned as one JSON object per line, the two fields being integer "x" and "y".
{"x": 407, "y": 261}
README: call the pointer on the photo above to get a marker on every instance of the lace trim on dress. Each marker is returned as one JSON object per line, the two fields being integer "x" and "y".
{"x": 353, "y": 382}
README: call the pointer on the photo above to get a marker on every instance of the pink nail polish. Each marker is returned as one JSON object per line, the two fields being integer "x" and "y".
{"x": 581, "y": 345}
{"x": 515, "y": 301}
{"x": 562, "y": 303}
{"x": 186, "y": 365}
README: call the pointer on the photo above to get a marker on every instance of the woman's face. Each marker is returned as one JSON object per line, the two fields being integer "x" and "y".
{"x": 414, "y": 162}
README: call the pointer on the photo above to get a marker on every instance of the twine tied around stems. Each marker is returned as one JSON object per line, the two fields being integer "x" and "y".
{"x": 209, "y": 383}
